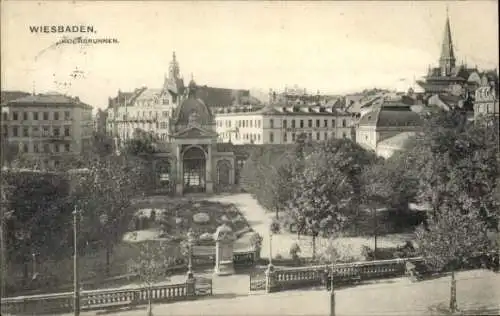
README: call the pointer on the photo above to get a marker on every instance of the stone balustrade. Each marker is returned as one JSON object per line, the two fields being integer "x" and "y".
{"x": 98, "y": 299}
{"x": 288, "y": 278}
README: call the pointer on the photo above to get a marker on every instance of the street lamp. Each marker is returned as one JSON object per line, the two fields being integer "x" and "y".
{"x": 104, "y": 220}
{"x": 76, "y": 289}
{"x": 190, "y": 240}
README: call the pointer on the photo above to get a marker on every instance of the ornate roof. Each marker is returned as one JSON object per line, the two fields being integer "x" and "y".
{"x": 399, "y": 115}
{"x": 193, "y": 110}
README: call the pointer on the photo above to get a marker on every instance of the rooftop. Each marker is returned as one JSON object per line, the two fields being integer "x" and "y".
{"x": 49, "y": 99}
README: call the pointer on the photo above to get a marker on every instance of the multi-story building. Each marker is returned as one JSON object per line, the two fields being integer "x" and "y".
{"x": 280, "y": 124}
{"x": 48, "y": 127}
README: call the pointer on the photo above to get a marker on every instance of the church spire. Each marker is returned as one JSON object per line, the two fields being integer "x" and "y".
{"x": 447, "y": 59}
{"x": 174, "y": 68}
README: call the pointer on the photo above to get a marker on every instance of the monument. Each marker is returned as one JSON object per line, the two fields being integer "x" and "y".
{"x": 224, "y": 242}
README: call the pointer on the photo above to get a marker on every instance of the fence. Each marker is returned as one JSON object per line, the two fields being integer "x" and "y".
{"x": 281, "y": 279}
{"x": 105, "y": 299}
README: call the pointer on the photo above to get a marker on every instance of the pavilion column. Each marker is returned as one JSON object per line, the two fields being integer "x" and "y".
{"x": 179, "y": 183}
{"x": 209, "y": 181}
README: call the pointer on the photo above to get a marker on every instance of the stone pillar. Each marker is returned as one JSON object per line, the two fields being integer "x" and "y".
{"x": 179, "y": 183}
{"x": 224, "y": 242}
{"x": 209, "y": 181}
{"x": 270, "y": 278}
{"x": 190, "y": 286}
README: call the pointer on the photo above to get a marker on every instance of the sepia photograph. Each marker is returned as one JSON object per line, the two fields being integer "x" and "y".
{"x": 257, "y": 158}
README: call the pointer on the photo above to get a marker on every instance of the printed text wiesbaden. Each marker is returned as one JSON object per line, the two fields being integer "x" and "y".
{"x": 61, "y": 29}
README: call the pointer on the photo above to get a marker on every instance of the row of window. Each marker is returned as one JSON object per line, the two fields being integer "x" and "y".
{"x": 45, "y": 148}
{"x": 36, "y": 116}
{"x": 145, "y": 114}
{"x": 293, "y": 123}
{"x": 310, "y": 123}
{"x": 35, "y": 131}
{"x": 287, "y": 137}
{"x": 147, "y": 126}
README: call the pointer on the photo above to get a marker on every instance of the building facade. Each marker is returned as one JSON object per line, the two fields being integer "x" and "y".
{"x": 486, "y": 98}
{"x": 278, "y": 124}
{"x": 48, "y": 128}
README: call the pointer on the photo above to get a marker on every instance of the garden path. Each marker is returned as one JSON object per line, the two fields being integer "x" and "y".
{"x": 260, "y": 221}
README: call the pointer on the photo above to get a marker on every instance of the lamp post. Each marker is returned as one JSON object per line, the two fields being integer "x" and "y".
{"x": 104, "y": 220}
{"x": 34, "y": 264}
{"x": 190, "y": 240}
{"x": 270, "y": 247}
{"x": 76, "y": 290}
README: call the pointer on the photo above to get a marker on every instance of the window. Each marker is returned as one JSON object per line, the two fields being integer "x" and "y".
{"x": 35, "y": 116}
{"x": 326, "y": 135}
{"x": 55, "y": 131}
{"x": 309, "y": 123}
{"x": 45, "y": 116}
{"x": 293, "y": 136}
{"x": 301, "y": 123}
{"x": 56, "y": 148}
{"x": 271, "y": 123}
{"x": 15, "y": 116}
{"x": 326, "y": 123}
{"x": 26, "y": 132}
{"x": 25, "y": 116}
{"x": 25, "y": 148}
{"x": 67, "y": 115}
{"x": 344, "y": 135}
{"x": 45, "y": 131}
{"x": 310, "y": 136}
{"x": 5, "y": 116}
{"x": 344, "y": 124}
{"x": 36, "y": 148}
{"x": 15, "y": 131}
{"x": 67, "y": 148}
{"x": 56, "y": 116}
{"x": 318, "y": 123}
{"x": 35, "y": 131}
{"x": 318, "y": 136}
{"x": 56, "y": 163}
{"x": 46, "y": 148}
{"x": 285, "y": 137}
{"x": 258, "y": 137}
{"x": 333, "y": 123}
{"x": 285, "y": 125}
{"x": 271, "y": 137}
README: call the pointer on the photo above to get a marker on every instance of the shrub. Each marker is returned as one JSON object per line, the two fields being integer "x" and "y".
{"x": 275, "y": 227}
{"x": 367, "y": 253}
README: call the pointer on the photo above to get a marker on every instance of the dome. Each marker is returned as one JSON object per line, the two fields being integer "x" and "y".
{"x": 193, "y": 110}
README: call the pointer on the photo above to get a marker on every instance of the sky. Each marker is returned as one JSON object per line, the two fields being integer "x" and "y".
{"x": 333, "y": 47}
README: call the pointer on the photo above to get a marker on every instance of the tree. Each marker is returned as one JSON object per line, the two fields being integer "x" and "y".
{"x": 104, "y": 195}
{"x": 151, "y": 265}
{"x": 376, "y": 191}
{"x": 137, "y": 146}
{"x": 319, "y": 193}
{"x": 451, "y": 238}
{"x": 40, "y": 222}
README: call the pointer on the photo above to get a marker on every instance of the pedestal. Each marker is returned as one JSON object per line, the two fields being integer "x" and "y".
{"x": 224, "y": 268}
